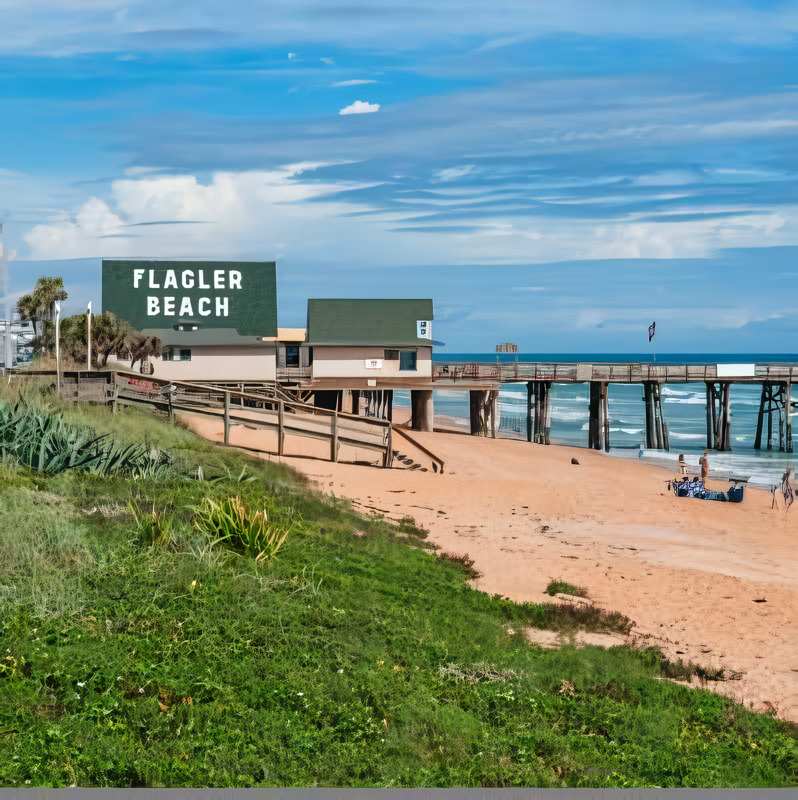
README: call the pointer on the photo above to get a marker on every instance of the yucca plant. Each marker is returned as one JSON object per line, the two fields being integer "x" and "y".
{"x": 230, "y": 522}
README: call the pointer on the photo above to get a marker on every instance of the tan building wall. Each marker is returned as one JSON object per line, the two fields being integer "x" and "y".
{"x": 218, "y": 363}
{"x": 350, "y": 362}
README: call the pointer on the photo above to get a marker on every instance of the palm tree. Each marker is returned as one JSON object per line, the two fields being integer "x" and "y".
{"x": 38, "y": 306}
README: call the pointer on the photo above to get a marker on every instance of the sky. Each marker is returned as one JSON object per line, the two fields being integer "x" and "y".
{"x": 554, "y": 173}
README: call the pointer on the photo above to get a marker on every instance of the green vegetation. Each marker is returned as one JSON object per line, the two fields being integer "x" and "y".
{"x": 563, "y": 587}
{"x": 137, "y": 650}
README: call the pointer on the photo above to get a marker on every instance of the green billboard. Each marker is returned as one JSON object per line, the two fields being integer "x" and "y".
{"x": 232, "y": 295}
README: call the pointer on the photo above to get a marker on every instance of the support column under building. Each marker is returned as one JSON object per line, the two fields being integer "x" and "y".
{"x": 484, "y": 412}
{"x": 422, "y": 410}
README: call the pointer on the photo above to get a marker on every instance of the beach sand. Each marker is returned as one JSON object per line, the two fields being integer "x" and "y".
{"x": 713, "y": 583}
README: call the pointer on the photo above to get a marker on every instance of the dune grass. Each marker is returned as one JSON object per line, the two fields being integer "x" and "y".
{"x": 354, "y": 657}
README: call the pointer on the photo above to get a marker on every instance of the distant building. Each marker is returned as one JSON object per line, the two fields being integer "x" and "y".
{"x": 16, "y": 341}
{"x": 507, "y": 347}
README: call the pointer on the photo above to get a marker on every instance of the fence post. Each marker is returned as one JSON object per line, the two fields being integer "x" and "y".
{"x": 388, "y": 460}
{"x": 334, "y": 437}
{"x": 280, "y": 428}
{"x": 227, "y": 417}
{"x": 171, "y": 401}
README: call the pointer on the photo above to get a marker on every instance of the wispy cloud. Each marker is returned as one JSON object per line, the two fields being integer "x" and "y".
{"x": 352, "y": 82}
{"x": 453, "y": 173}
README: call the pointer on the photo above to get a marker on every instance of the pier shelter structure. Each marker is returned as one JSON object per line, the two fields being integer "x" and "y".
{"x": 361, "y": 350}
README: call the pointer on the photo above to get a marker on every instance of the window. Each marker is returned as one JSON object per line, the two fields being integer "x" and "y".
{"x": 176, "y": 354}
{"x": 391, "y": 355}
{"x": 292, "y": 355}
{"x": 408, "y": 360}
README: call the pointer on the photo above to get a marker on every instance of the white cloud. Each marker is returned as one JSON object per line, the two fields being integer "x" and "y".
{"x": 359, "y": 107}
{"x": 327, "y": 60}
{"x": 292, "y": 56}
{"x": 353, "y": 82}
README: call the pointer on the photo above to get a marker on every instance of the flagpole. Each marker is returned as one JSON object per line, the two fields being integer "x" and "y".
{"x": 88, "y": 337}
{"x": 57, "y": 347}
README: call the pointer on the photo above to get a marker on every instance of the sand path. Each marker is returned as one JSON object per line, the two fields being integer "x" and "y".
{"x": 714, "y": 583}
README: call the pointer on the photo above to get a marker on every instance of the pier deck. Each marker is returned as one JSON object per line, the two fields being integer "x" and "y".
{"x": 491, "y": 375}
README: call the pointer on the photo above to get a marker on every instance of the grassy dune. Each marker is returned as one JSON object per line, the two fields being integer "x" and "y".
{"x": 354, "y": 657}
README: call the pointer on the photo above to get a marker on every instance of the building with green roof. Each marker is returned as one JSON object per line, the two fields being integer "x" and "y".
{"x": 366, "y": 348}
{"x": 368, "y": 343}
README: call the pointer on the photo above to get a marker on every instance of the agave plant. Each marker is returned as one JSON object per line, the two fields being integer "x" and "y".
{"x": 45, "y": 442}
{"x": 230, "y": 522}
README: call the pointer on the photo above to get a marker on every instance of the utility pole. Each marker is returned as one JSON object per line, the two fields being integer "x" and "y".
{"x": 5, "y": 292}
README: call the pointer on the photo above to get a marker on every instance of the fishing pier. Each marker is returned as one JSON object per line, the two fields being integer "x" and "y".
{"x": 483, "y": 382}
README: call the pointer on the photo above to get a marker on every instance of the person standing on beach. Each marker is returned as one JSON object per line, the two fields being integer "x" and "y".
{"x": 682, "y": 465}
{"x": 703, "y": 462}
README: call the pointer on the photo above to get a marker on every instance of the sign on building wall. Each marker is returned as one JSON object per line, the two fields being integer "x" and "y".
{"x": 424, "y": 329}
{"x": 241, "y": 295}
{"x": 373, "y": 363}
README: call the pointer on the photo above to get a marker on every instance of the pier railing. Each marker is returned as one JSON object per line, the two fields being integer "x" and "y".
{"x": 629, "y": 372}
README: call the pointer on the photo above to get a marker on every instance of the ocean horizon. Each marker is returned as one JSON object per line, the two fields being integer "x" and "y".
{"x": 683, "y": 407}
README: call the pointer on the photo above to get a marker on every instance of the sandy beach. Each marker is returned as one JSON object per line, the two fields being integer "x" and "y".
{"x": 713, "y": 583}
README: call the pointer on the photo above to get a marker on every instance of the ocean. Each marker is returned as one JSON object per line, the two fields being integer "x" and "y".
{"x": 684, "y": 410}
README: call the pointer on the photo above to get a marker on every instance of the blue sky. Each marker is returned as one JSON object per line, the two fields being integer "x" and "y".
{"x": 555, "y": 173}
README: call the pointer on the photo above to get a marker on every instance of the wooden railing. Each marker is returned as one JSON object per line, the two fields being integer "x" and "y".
{"x": 629, "y": 372}
{"x": 258, "y": 410}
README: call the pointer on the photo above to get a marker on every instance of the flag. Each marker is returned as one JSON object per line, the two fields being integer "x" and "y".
{"x": 652, "y": 329}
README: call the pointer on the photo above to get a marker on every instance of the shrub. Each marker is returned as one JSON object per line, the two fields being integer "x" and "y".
{"x": 230, "y": 522}
{"x": 560, "y": 586}
{"x": 464, "y": 562}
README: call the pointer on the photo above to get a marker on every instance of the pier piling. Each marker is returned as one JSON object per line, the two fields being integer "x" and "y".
{"x": 421, "y": 410}
{"x": 776, "y": 398}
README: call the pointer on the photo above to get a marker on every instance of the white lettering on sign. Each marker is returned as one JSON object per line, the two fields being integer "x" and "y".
{"x": 423, "y": 329}
{"x": 184, "y": 306}
{"x": 373, "y": 363}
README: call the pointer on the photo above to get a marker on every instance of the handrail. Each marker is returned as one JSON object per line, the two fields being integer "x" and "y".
{"x": 436, "y": 459}
{"x": 249, "y": 395}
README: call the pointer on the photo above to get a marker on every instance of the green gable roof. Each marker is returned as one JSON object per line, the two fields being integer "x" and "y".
{"x": 389, "y": 323}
